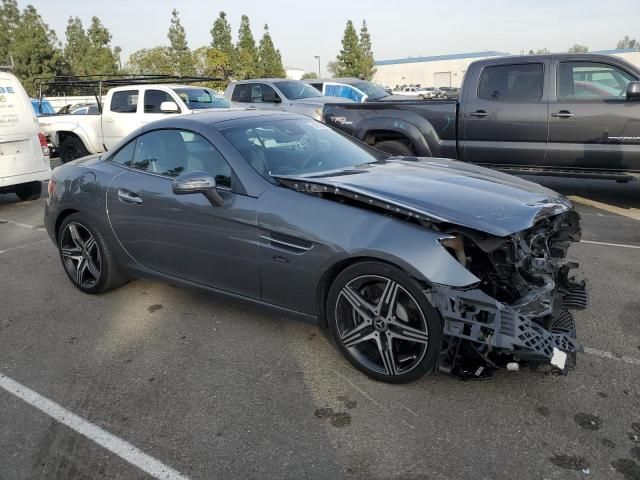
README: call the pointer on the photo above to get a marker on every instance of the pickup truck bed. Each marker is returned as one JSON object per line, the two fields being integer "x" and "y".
{"x": 570, "y": 115}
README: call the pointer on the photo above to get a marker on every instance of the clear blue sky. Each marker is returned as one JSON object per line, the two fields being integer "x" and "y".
{"x": 302, "y": 28}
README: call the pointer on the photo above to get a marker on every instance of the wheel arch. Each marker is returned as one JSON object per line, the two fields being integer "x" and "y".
{"x": 60, "y": 218}
{"x": 78, "y": 133}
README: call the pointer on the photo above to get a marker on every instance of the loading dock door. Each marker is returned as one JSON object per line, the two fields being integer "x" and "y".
{"x": 442, "y": 79}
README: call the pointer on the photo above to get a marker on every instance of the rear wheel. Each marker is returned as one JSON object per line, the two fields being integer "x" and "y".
{"x": 383, "y": 323}
{"x": 29, "y": 191}
{"x": 72, "y": 148}
{"x": 394, "y": 147}
{"x": 87, "y": 257}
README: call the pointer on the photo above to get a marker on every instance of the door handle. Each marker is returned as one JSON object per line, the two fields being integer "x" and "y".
{"x": 108, "y": 120}
{"x": 129, "y": 197}
{"x": 563, "y": 114}
{"x": 479, "y": 114}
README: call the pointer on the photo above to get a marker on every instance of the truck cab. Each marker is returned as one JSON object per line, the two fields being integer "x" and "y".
{"x": 125, "y": 109}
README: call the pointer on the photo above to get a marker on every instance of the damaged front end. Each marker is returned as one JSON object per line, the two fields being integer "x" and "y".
{"x": 518, "y": 315}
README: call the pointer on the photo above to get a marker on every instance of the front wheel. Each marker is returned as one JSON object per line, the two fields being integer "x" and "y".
{"x": 29, "y": 191}
{"x": 394, "y": 147}
{"x": 72, "y": 148}
{"x": 383, "y": 323}
{"x": 86, "y": 256}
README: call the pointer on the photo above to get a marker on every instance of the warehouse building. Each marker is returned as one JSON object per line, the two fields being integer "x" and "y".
{"x": 448, "y": 70}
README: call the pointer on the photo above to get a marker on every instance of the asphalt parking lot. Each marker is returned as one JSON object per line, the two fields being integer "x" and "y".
{"x": 208, "y": 388}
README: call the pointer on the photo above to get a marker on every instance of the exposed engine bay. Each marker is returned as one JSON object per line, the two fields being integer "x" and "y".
{"x": 519, "y": 314}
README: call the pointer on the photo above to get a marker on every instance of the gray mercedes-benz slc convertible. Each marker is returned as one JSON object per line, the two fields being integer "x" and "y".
{"x": 411, "y": 263}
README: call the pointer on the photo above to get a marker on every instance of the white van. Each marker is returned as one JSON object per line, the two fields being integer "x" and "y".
{"x": 24, "y": 154}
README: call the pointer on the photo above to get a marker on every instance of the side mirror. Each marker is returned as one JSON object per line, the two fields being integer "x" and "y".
{"x": 270, "y": 97}
{"x": 169, "y": 107}
{"x": 633, "y": 91}
{"x": 198, "y": 181}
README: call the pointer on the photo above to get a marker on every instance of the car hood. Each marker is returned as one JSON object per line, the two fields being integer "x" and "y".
{"x": 320, "y": 101}
{"x": 441, "y": 190}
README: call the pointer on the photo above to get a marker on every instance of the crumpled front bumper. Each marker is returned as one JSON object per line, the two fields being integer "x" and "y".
{"x": 475, "y": 316}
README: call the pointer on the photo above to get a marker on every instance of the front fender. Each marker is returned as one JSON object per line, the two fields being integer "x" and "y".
{"x": 415, "y": 249}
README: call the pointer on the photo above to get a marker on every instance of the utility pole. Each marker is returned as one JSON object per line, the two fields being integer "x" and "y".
{"x": 318, "y": 57}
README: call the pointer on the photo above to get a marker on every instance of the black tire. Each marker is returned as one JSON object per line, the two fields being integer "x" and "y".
{"x": 394, "y": 147}
{"x": 381, "y": 344}
{"x": 29, "y": 191}
{"x": 72, "y": 148}
{"x": 74, "y": 251}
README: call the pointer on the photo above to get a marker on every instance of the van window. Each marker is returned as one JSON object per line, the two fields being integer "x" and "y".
{"x": 124, "y": 101}
{"x": 512, "y": 83}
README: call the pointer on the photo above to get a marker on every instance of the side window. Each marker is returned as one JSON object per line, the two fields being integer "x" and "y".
{"x": 172, "y": 152}
{"x": 124, "y": 101}
{"x": 515, "y": 83}
{"x": 261, "y": 93}
{"x": 241, "y": 93}
{"x": 125, "y": 154}
{"x": 591, "y": 81}
{"x": 153, "y": 99}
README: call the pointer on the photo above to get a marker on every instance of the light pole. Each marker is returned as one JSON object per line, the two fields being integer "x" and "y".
{"x": 318, "y": 57}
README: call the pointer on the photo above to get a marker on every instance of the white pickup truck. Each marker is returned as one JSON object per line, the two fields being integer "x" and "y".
{"x": 125, "y": 109}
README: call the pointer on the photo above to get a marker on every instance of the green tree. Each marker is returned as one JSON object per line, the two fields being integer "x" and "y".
{"x": 178, "y": 48}
{"x": 309, "y": 76}
{"x": 221, "y": 35}
{"x": 9, "y": 19}
{"x": 246, "y": 55}
{"x": 89, "y": 53}
{"x": 577, "y": 48}
{"x": 349, "y": 60}
{"x": 627, "y": 42}
{"x": 269, "y": 59}
{"x": 212, "y": 62}
{"x": 155, "y": 60}
{"x": 34, "y": 48}
{"x": 367, "y": 69}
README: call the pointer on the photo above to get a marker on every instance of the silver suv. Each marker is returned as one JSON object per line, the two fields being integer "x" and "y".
{"x": 280, "y": 94}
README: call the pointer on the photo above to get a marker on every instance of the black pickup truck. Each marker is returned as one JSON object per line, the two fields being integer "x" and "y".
{"x": 566, "y": 114}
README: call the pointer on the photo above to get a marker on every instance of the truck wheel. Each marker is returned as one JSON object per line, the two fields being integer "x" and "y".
{"x": 72, "y": 148}
{"x": 29, "y": 191}
{"x": 394, "y": 147}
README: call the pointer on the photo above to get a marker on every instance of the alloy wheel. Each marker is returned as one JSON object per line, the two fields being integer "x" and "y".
{"x": 381, "y": 325}
{"x": 80, "y": 255}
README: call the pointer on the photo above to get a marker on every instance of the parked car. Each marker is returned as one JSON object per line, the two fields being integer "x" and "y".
{"x": 408, "y": 92}
{"x": 411, "y": 263}
{"x": 24, "y": 155}
{"x": 427, "y": 92}
{"x": 42, "y": 107}
{"x": 448, "y": 92}
{"x": 125, "y": 109}
{"x": 559, "y": 114}
{"x": 279, "y": 94}
{"x": 352, "y": 88}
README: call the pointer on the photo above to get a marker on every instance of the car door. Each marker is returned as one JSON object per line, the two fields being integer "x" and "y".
{"x": 120, "y": 117}
{"x": 184, "y": 236}
{"x": 504, "y": 122}
{"x": 592, "y": 125}
{"x": 257, "y": 95}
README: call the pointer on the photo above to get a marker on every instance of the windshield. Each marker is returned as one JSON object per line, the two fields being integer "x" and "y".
{"x": 294, "y": 90}
{"x": 201, "y": 98}
{"x": 373, "y": 91}
{"x": 295, "y": 147}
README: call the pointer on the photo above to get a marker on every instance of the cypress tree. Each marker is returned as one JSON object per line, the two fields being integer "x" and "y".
{"x": 246, "y": 55}
{"x": 269, "y": 58}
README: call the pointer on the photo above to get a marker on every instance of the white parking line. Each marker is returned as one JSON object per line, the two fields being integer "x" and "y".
{"x": 23, "y": 246}
{"x": 18, "y": 224}
{"x": 611, "y": 356}
{"x": 121, "y": 448}
{"x": 610, "y": 244}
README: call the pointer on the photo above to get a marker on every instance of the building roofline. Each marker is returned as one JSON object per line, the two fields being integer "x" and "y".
{"x": 484, "y": 54}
